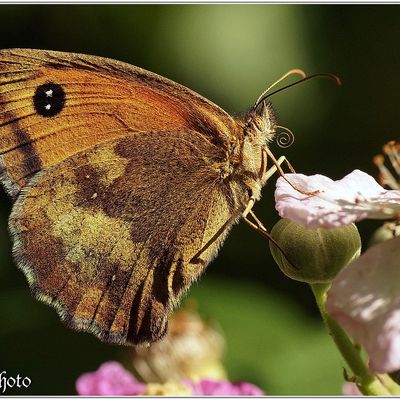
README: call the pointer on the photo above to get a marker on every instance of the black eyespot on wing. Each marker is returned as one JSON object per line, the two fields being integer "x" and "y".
{"x": 49, "y": 99}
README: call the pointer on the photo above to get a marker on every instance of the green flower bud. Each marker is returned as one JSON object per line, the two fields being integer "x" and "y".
{"x": 387, "y": 231}
{"x": 316, "y": 255}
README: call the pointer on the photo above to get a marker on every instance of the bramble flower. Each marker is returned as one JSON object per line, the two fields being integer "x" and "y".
{"x": 365, "y": 300}
{"x": 209, "y": 387}
{"x": 355, "y": 197}
{"x": 187, "y": 362}
{"x": 112, "y": 379}
{"x": 365, "y": 296}
{"x": 351, "y": 389}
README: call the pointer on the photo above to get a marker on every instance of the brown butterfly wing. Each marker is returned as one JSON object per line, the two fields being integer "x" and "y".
{"x": 103, "y": 99}
{"x": 107, "y": 236}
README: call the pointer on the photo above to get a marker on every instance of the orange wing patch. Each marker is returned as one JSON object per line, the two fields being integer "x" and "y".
{"x": 102, "y": 99}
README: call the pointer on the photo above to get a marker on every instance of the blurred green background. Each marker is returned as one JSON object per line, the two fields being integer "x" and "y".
{"x": 229, "y": 54}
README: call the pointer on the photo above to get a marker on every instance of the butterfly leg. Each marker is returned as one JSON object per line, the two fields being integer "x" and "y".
{"x": 257, "y": 224}
{"x": 271, "y": 171}
{"x": 282, "y": 173}
{"x": 259, "y": 227}
{"x": 282, "y": 159}
{"x": 196, "y": 258}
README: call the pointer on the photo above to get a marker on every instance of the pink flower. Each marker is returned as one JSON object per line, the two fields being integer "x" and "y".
{"x": 365, "y": 295}
{"x": 351, "y": 389}
{"x": 355, "y": 197}
{"x": 111, "y": 379}
{"x": 208, "y": 387}
{"x": 365, "y": 300}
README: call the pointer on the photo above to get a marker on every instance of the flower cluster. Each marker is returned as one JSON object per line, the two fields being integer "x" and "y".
{"x": 365, "y": 296}
{"x": 186, "y": 362}
{"x": 112, "y": 379}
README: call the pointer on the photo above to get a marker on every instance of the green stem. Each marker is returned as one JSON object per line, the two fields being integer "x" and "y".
{"x": 368, "y": 383}
{"x": 390, "y": 384}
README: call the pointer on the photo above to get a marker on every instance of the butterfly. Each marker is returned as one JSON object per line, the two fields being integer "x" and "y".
{"x": 124, "y": 186}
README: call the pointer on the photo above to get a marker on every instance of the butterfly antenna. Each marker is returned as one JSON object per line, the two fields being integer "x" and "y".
{"x": 326, "y": 75}
{"x": 286, "y": 138}
{"x": 291, "y": 72}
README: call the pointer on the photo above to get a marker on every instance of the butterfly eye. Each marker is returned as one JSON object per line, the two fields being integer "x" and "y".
{"x": 49, "y": 99}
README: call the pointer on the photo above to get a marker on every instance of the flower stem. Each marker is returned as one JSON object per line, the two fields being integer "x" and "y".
{"x": 368, "y": 383}
{"x": 390, "y": 384}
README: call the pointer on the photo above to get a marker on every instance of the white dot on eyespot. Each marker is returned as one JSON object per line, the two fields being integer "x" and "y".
{"x": 47, "y": 106}
{"x": 49, "y": 93}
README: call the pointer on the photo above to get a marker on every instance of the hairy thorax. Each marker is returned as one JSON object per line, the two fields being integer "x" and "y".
{"x": 246, "y": 163}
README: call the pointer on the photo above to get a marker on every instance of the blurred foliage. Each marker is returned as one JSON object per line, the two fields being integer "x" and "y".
{"x": 270, "y": 340}
{"x": 230, "y": 54}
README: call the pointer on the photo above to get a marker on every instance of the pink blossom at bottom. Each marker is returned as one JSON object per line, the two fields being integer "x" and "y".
{"x": 365, "y": 300}
{"x": 351, "y": 389}
{"x": 111, "y": 379}
{"x": 209, "y": 387}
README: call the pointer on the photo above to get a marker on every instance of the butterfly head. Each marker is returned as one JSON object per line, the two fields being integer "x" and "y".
{"x": 260, "y": 122}
{"x": 258, "y": 131}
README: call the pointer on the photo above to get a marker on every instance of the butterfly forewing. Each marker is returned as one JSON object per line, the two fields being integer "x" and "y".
{"x": 54, "y": 104}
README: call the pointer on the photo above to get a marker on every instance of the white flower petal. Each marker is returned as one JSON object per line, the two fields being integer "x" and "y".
{"x": 365, "y": 300}
{"x": 355, "y": 197}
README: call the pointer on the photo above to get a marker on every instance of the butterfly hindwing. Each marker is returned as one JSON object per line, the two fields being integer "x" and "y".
{"x": 55, "y": 104}
{"x": 107, "y": 236}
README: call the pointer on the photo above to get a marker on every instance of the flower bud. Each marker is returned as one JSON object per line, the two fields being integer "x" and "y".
{"x": 387, "y": 231}
{"x": 314, "y": 255}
